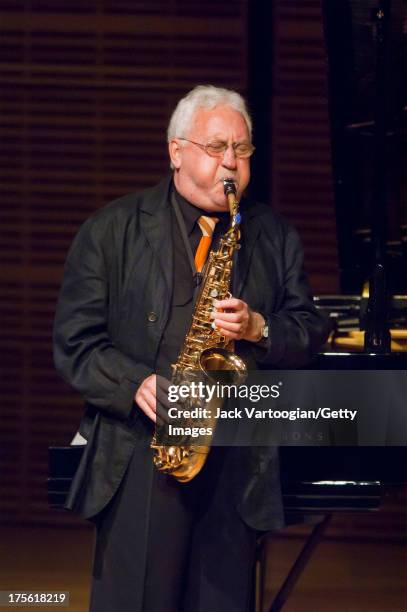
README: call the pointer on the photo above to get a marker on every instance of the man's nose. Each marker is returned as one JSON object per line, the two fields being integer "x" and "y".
{"x": 229, "y": 158}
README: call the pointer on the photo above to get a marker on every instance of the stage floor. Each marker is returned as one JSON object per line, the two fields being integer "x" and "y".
{"x": 341, "y": 577}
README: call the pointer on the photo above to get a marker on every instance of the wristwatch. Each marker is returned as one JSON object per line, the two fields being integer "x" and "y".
{"x": 264, "y": 332}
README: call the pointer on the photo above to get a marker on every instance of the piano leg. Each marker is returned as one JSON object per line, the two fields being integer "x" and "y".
{"x": 295, "y": 572}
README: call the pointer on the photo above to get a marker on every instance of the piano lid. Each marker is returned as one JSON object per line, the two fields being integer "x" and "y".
{"x": 365, "y": 97}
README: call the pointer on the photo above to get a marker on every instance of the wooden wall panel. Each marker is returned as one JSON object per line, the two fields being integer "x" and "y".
{"x": 301, "y": 153}
{"x": 87, "y": 88}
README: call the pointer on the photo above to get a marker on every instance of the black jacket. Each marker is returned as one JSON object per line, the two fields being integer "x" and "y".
{"x": 112, "y": 311}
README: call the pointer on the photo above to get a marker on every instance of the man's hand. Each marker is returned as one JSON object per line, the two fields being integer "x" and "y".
{"x": 153, "y": 388}
{"x": 235, "y": 320}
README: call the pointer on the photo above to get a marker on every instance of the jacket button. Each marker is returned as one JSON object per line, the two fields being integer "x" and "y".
{"x": 152, "y": 317}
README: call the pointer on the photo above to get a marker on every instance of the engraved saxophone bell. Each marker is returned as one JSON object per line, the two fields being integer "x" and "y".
{"x": 221, "y": 365}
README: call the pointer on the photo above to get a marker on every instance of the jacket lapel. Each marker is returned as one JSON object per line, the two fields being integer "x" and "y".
{"x": 155, "y": 222}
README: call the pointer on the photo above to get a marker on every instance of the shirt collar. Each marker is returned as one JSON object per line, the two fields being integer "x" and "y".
{"x": 191, "y": 213}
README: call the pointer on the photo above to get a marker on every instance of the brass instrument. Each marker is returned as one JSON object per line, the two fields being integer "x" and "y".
{"x": 205, "y": 350}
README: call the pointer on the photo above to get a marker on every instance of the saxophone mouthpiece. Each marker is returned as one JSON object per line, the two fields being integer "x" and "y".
{"x": 229, "y": 186}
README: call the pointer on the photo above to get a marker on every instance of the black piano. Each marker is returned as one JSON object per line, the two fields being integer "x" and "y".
{"x": 366, "y": 51}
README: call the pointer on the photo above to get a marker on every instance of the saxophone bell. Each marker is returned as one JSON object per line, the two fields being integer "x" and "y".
{"x": 221, "y": 365}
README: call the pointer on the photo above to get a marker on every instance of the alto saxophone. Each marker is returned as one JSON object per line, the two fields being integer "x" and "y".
{"x": 205, "y": 351}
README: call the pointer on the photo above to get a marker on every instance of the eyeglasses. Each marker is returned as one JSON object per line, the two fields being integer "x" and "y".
{"x": 218, "y": 148}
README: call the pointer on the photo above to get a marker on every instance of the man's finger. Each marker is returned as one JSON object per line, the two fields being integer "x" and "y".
{"x": 148, "y": 397}
{"x": 231, "y": 317}
{"x": 163, "y": 383}
{"x": 162, "y": 413}
{"x": 232, "y": 303}
{"x": 143, "y": 405}
{"x": 232, "y": 335}
{"x": 162, "y": 397}
{"x": 229, "y": 326}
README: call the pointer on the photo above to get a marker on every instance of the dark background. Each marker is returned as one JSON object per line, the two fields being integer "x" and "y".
{"x": 87, "y": 89}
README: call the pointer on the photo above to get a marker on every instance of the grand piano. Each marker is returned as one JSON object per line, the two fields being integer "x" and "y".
{"x": 366, "y": 51}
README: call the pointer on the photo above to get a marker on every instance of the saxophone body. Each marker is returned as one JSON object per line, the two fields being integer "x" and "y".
{"x": 205, "y": 353}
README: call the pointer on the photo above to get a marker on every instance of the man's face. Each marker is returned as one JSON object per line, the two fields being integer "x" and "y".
{"x": 198, "y": 176}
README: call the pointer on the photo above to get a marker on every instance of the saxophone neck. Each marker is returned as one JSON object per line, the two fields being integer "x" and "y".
{"x": 233, "y": 204}
{"x": 230, "y": 192}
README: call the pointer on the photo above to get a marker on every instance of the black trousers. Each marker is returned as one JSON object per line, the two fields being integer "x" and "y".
{"x": 192, "y": 553}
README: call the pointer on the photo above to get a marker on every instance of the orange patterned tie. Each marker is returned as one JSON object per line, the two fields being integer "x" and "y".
{"x": 207, "y": 225}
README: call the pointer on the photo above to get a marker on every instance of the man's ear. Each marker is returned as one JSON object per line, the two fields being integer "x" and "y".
{"x": 174, "y": 150}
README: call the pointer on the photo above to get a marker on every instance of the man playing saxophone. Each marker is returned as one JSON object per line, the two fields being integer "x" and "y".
{"x": 125, "y": 307}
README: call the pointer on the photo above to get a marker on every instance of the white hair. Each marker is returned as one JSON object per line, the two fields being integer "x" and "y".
{"x": 204, "y": 96}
